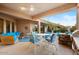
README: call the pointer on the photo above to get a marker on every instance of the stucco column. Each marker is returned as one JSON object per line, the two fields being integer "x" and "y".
{"x": 4, "y": 26}
{"x": 39, "y": 25}
{"x": 30, "y": 28}
{"x": 10, "y": 26}
{"x": 45, "y": 29}
{"x": 15, "y": 29}
{"x": 77, "y": 18}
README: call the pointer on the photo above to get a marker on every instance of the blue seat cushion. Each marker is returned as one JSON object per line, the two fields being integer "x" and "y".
{"x": 14, "y": 34}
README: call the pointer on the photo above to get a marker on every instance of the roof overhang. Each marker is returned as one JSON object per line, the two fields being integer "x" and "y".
{"x": 55, "y": 10}
{"x": 59, "y": 9}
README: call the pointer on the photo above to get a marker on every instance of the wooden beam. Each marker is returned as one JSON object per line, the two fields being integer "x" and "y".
{"x": 55, "y": 10}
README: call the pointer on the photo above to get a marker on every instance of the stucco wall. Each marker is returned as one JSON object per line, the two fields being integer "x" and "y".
{"x": 77, "y": 24}
{"x": 22, "y": 24}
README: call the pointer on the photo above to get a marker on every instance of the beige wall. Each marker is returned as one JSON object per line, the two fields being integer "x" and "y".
{"x": 77, "y": 24}
{"x": 21, "y": 24}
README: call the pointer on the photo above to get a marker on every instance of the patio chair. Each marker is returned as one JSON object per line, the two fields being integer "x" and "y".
{"x": 53, "y": 38}
{"x": 52, "y": 43}
{"x": 35, "y": 38}
{"x": 49, "y": 37}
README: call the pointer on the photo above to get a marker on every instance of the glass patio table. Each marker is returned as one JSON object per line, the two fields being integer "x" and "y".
{"x": 44, "y": 47}
{"x": 43, "y": 35}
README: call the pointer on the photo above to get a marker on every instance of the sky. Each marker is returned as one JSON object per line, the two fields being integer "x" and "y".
{"x": 67, "y": 18}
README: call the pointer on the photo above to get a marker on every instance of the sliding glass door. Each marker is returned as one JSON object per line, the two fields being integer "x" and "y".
{"x": 1, "y": 25}
{"x": 7, "y": 26}
{"x": 12, "y": 26}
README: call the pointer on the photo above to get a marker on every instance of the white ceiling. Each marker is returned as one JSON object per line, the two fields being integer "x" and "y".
{"x": 38, "y": 7}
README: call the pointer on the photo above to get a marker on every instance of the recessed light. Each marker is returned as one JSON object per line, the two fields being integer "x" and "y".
{"x": 22, "y": 8}
{"x": 31, "y": 8}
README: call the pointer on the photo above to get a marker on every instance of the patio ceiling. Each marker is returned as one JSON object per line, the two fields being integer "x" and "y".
{"x": 40, "y": 9}
{"x": 59, "y": 9}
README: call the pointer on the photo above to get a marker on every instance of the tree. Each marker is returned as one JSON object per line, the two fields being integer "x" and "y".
{"x": 73, "y": 28}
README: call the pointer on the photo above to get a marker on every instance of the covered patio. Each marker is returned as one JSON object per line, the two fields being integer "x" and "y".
{"x": 17, "y": 18}
{"x": 8, "y": 13}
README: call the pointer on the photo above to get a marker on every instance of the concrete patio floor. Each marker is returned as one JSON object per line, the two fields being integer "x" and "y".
{"x": 22, "y": 48}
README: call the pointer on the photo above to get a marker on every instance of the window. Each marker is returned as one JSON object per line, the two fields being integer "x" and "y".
{"x": 1, "y": 25}
{"x": 12, "y": 26}
{"x": 7, "y": 26}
